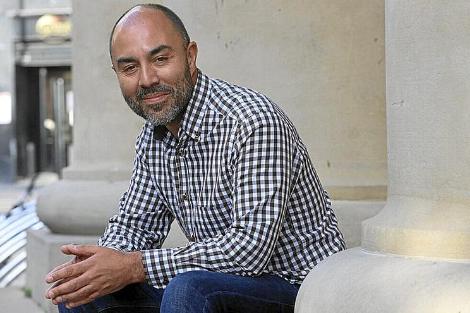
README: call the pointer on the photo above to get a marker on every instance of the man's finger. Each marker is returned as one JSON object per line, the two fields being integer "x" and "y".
{"x": 68, "y": 271}
{"x": 79, "y": 250}
{"x": 56, "y": 284}
{"x": 90, "y": 298}
{"x": 61, "y": 266}
{"x": 79, "y": 297}
{"x": 67, "y": 287}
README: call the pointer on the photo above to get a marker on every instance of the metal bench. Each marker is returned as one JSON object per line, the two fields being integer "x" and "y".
{"x": 13, "y": 228}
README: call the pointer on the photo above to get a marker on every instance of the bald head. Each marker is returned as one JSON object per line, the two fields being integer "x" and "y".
{"x": 174, "y": 19}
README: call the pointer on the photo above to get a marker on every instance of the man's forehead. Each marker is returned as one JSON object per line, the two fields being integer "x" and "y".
{"x": 142, "y": 19}
{"x": 145, "y": 27}
{"x": 139, "y": 15}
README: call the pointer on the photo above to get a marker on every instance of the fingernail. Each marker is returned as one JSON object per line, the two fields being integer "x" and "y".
{"x": 48, "y": 278}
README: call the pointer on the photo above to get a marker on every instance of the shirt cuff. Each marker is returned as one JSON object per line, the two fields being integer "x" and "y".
{"x": 159, "y": 266}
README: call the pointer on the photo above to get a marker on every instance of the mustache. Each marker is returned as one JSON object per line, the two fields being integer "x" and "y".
{"x": 142, "y": 92}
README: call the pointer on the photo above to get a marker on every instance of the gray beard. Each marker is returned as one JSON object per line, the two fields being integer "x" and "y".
{"x": 175, "y": 105}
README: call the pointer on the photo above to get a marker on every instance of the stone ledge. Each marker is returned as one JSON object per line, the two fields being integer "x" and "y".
{"x": 79, "y": 207}
{"x": 43, "y": 254}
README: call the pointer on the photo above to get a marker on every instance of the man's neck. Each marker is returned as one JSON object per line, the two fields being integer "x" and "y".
{"x": 174, "y": 127}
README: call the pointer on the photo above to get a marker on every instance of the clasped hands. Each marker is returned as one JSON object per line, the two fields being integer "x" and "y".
{"x": 93, "y": 272}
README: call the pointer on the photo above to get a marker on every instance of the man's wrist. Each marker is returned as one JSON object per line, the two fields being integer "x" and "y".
{"x": 137, "y": 271}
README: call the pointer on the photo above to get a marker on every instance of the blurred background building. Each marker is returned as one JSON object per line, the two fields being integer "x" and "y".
{"x": 36, "y": 98}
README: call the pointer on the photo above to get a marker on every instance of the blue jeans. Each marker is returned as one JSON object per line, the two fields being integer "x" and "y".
{"x": 200, "y": 292}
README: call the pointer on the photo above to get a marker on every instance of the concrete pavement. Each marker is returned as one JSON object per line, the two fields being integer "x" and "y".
{"x": 13, "y": 300}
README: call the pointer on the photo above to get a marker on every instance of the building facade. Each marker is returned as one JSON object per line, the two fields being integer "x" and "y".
{"x": 37, "y": 60}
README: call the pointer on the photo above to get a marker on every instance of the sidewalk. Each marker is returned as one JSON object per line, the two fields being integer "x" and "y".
{"x": 13, "y": 300}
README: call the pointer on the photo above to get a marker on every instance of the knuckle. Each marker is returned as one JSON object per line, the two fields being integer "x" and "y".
{"x": 84, "y": 293}
{"x": 72, "y": 287}
{"x": 69, "y": 271}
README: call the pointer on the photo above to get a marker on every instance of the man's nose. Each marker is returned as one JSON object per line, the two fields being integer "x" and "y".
{"x": 148, "y": 76}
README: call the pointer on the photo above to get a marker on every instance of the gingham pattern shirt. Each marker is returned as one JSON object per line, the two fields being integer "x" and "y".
{"x": 240, "y": 184}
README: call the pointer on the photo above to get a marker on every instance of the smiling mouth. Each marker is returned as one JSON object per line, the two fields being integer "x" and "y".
{"x": 155, "y": 97}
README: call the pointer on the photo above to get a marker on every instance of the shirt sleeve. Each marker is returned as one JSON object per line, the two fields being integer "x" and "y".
{"x": 143, "y": 221}
{"x": 263, "y": 165}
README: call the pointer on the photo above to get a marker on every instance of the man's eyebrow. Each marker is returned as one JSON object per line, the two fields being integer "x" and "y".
{"x": 154, "y": 51}
{"x": 160, "y": 49}
{"x": 125, "y": 60}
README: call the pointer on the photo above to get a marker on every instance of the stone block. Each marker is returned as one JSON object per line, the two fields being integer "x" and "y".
{"x": 43, "y": 254}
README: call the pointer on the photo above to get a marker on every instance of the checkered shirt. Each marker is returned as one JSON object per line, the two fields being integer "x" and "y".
{"x": 240, "y": 184}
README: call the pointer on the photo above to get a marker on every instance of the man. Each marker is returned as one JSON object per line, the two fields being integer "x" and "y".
{"x": 222, "y": 160}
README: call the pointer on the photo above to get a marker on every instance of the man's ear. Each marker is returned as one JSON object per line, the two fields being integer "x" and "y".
{"x": 191, "y": 54}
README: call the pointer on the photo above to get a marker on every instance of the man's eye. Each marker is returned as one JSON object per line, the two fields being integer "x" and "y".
{"x": 161, "y": 59}
{"x": 129, "y": 69}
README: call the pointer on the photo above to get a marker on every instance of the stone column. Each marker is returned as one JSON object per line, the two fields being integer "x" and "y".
{"x": 415, "y": 253}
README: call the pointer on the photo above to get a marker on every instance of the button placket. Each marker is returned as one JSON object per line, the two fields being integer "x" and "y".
{"x": 197, "y": 136}
{"x": 180, "y": 152}
{"x": 184, "y": 187}
{"x": 184, "y": 196}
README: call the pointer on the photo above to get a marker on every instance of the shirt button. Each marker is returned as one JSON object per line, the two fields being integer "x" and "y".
{"x": 180, "y": 152}
{"x": 184, "y": 197}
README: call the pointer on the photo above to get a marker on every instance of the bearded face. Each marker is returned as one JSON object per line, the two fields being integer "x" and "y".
{"x": 155, "y": 66}
{"x": 170, "y": 108}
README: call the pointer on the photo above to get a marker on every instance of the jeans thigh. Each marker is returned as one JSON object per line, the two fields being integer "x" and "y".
{"x": 138, "y": 298}
{"x": 212, "y": 292}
